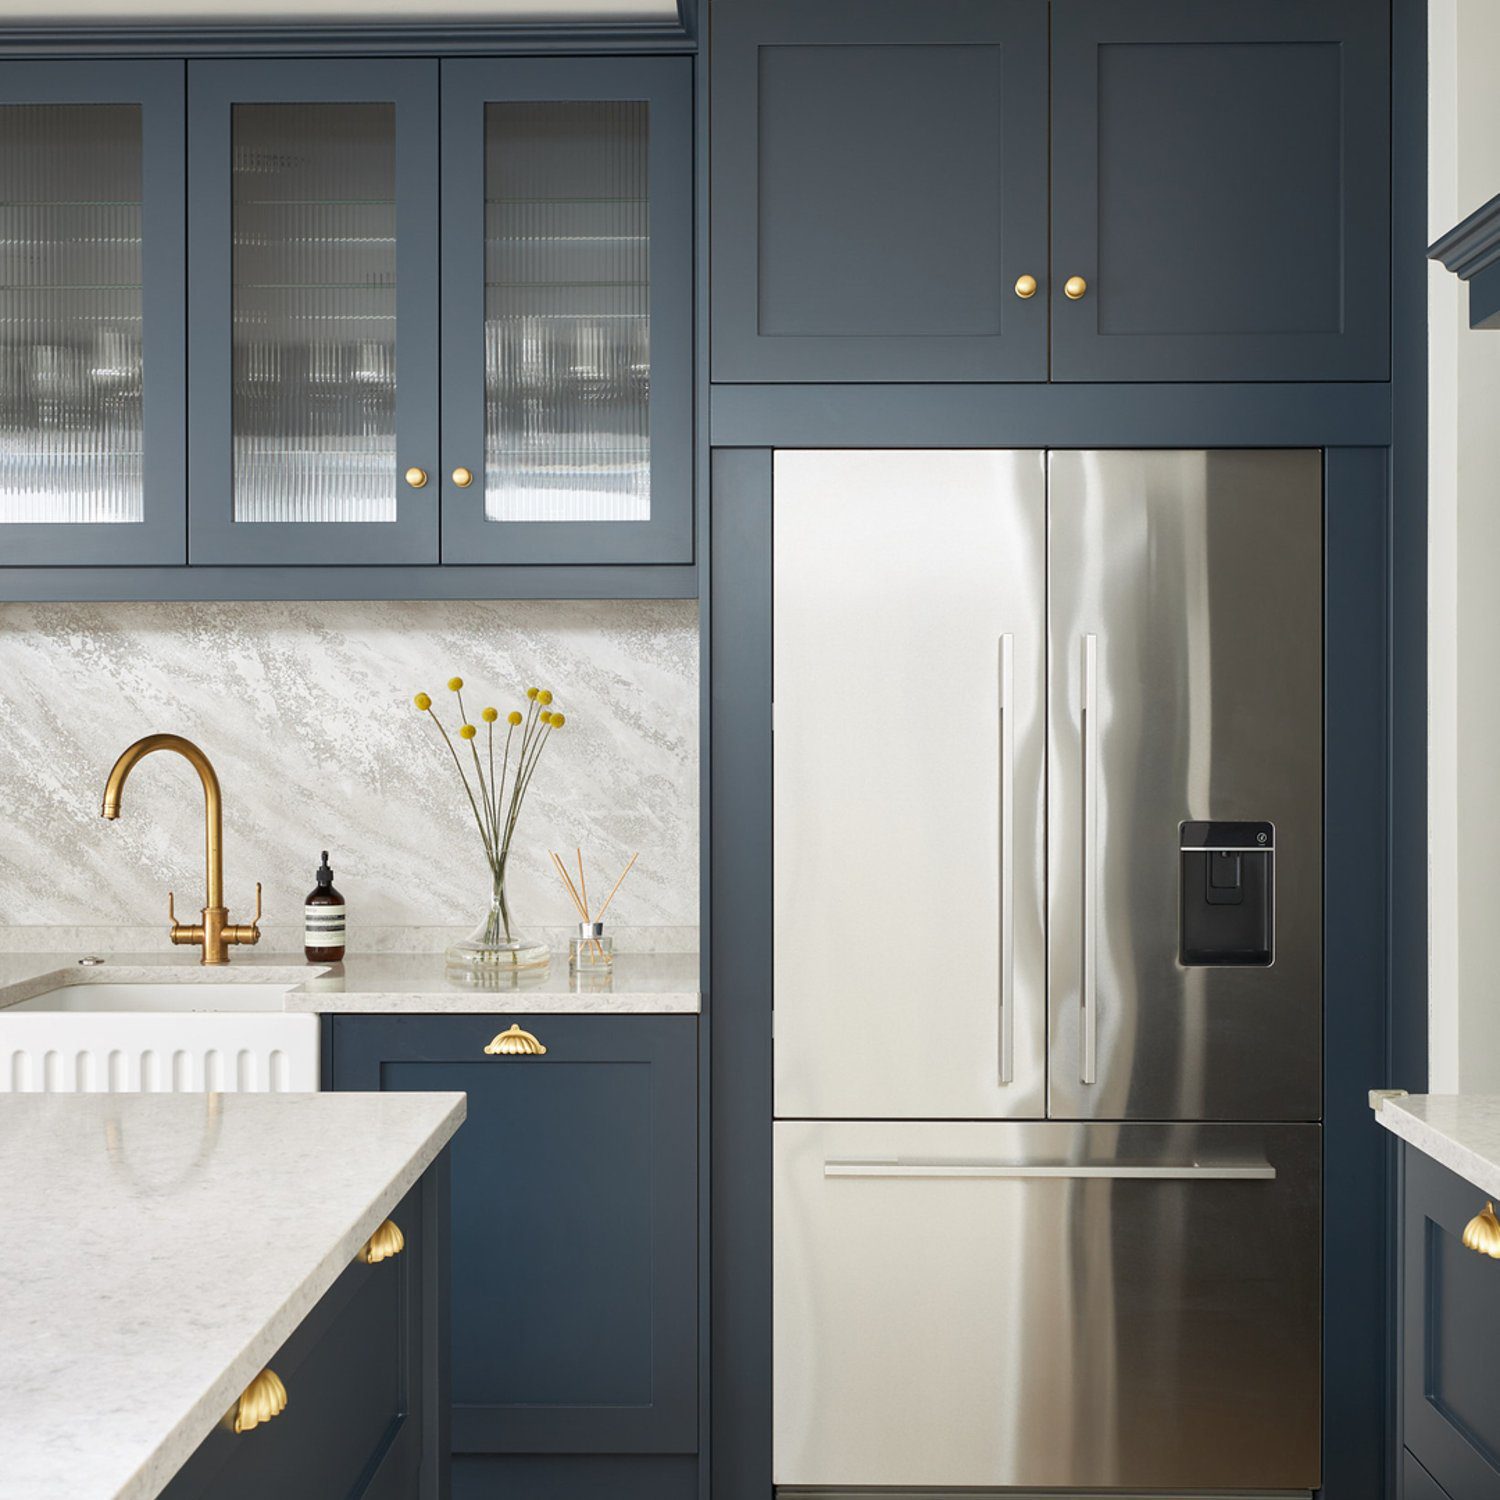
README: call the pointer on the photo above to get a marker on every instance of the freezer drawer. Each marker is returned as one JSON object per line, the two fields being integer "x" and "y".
{"x": 1047, "y": 1305}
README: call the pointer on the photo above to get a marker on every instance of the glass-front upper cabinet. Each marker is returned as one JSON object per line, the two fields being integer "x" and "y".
{"x": 567, "y": 310}
{"x": 313, "y": 204}
{"x": 91, "y": 313}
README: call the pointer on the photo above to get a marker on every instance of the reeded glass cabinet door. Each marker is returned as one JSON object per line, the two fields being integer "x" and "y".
{"x": 567, "y": 311}
{"x": 91, "y": 317}
{"x": 314, "y": 307}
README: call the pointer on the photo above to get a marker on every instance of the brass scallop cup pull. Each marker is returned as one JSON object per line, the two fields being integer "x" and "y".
{"x": 1482, "y": 1232}
{"x": 1074, "y": 288}
{"x": 416, "y": 477}
{"x": 1025, "y": 287}
{"x": 262, "y": 1399}
{"x": 463, "y": 477}
{"x": 515, "y": 1043}
{"x": 387, "y": 1241}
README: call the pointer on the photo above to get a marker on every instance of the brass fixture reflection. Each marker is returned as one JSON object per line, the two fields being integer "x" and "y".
{"x": 384, "y": 1243}
{"x": 215, "y": 934}
{"x": 262, "y": 1399}
{"x": 1482, "y": 1232}
{"x": 1025, "y": 287}
{"x": 515, "y": 1043}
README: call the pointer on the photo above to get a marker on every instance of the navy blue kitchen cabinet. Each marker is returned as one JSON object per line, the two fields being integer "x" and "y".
{"x": 366, "y": 1381}
{"x": 574, "y": 1270}
{"x": 1450, "y": 1322}
{"x": 92, "y": 334}
{"x": 1215, "y": 206}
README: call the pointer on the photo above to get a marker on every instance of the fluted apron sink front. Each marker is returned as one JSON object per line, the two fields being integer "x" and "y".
{"x": 158, "y": 1038}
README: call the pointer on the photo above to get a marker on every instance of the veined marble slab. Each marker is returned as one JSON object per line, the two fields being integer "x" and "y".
{"x": 386, "y": 984}
{"x": 157, "y": 1249}
{"x": 1458, "y": 1131}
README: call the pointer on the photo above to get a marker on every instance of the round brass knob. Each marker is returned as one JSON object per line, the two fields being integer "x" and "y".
{"x": 463, "y": 478}
{"x": 1025, "y": 287}
{"x": 416, "y": 477}
{"x": 1074, "y": 287}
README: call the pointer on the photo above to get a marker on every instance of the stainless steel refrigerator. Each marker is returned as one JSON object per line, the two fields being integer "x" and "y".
{"x": 1048, "y": 970}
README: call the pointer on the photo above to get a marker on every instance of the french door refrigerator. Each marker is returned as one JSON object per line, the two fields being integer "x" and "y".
{"x": 1048, "y": 991}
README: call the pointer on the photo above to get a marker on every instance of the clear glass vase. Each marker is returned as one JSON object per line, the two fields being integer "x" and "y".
{"x": 497, "y": 944}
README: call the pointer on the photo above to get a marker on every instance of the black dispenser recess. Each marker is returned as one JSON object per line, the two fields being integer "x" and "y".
{"x": 1228, "y": 893}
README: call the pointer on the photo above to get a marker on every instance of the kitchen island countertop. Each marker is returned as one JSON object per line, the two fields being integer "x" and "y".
{"x": 157, "y": 1249}
{"x": 1458, "y": 1131}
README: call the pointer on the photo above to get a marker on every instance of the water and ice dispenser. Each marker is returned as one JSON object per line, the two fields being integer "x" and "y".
{"x": 1228, "y": 877}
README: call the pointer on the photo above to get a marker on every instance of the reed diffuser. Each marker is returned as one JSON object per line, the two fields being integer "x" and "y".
{"x": 593, "y": 949}
{"x": 496, "y": 800}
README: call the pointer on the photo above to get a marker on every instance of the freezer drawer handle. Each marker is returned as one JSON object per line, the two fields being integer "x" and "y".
{"x": 1087, "y": 1008}
{"x": 1007, "y": 856}
{"x": 1191, "y": 1171}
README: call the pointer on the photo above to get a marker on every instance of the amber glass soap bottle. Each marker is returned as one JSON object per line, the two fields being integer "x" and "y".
{"x": 323, "y": 920}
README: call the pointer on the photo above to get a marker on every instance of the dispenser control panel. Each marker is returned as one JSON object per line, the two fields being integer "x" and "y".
{"x": 1228, "y": 880}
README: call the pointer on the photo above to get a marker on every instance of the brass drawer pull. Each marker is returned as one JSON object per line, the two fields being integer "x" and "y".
{"x": 1025, "y": 287}
{"x": 1482, "y": 1232}
{"x": 416, "y": 478}
{"x": 463, "y": 477}
{"x": 515, "y": 1043}
{"x": 262, "y": 1399}
{"x": 1074, "y": 288}
{"x": 386, "y": 1242}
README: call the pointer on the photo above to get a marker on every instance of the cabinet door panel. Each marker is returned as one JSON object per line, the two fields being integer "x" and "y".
{"x": 574, "y": 1224}
{"x": 1220, "y": 179}
{"x": 91, "y": 313}
{"x": 880, "y": 183}
{"x": 1451, "y": 1313}
{"x": 313, "y": 291}
{"x": 567, "y": 311}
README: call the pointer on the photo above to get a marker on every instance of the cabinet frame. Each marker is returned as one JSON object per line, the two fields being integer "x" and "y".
{"x": 214, "y": 88}
{"x": 665, "y": 84}
{"x": 160, "y": 537}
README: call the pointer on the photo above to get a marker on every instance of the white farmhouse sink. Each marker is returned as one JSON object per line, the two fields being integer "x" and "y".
{"x": 161, "y": 1037}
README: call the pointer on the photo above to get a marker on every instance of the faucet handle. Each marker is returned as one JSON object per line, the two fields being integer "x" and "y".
{"x": 246, "y": 932}
{"x": 179, "y": 933}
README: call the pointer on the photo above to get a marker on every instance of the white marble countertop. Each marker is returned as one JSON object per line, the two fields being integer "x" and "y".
{"x": 642, "y": 983}
{"x": 1458, "y": 1131}
{"x": 157, "y": 1249}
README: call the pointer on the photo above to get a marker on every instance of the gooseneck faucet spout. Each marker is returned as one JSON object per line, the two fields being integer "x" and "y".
{"x": 215, "y": 933}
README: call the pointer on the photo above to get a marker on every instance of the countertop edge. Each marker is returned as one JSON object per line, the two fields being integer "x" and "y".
{"x": 182, "y": 1440}
{"x": 1437, "y": 1143}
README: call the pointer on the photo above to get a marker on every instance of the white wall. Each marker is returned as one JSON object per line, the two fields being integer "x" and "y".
{"x": 1464, "y": 566}
{"x": 306, "y": 711}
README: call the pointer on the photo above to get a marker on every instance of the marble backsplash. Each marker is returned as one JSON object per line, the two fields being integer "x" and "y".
{"x": 305, "y": 710}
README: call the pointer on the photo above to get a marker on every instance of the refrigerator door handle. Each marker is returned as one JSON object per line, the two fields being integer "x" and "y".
{"x": 1248, "y": 1171}
{"x": 1007, "y": 856}
{"x": 1087, "y": 1008}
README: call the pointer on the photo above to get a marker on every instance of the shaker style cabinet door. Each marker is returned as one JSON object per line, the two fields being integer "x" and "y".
{"x": 313, "y": 210}
{"x": 567, "y": 310}
{"x": 879, "y": 190}
{"x": 1220, "y": 190}
{"x": 91, "y": 313}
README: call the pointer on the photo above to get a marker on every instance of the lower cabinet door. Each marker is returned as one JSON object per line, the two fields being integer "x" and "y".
{"x": 1416, "y": 1482}
{"x": 356, "y": 1374}
{"x": 574, "y": 1234}
{"x": 1450, "y": 1308}
{"x": 1049, "y": 1305}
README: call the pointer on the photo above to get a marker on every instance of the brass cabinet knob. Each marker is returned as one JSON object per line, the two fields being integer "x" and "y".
{"x": 515, "y": 1043}
{"x": 463, "y": 477}
{"x": 416, "y": 477}
{"x": 1482, "y": 1232}
{"x": 1074, "y": 287}
{"x": 1025, "y": 287}
{"x": 262, "y": 1399}
{"x": 386, "y": 1242}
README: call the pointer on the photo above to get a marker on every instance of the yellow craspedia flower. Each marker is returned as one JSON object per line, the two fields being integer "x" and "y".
{"x": 532, "y": 692}
{"x": 467, "y": 731}
{"x": 514, "y": 716}
{"x": 454, "y": 683}
{"x": 558, "y": 720}
{"x": 546, "y": 716}
{"x": 489, "y": 715}
{"x": 544, "y": 696}
{"x": 422, "y": 701}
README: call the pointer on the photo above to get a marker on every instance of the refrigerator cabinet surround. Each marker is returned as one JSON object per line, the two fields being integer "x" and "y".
{"x": 908, "y": 662}
{"x": 1070, "y": 1305}
{"x": 1185, "y": 625}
